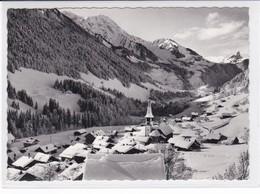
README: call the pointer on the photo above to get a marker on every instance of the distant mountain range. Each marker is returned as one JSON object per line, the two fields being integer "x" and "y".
{"x": 63, "y": 43}
{"x": 190, "y": 68}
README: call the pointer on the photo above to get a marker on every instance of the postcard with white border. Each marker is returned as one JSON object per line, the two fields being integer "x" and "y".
{"x": 130, "y": 93}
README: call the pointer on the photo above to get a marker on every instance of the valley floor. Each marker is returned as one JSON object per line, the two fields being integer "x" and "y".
{"x": 213, "y": 159}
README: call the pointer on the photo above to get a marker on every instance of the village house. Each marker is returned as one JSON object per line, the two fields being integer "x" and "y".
{"x": 71, "y": 151}
{"x": 214, "y": 138}
{"x": 157, "y": 137}
{"x": 24, "y": 163}
{"x": 166, "y": 130}
{"x": 187, "y": 119}
{"x": 47, "y": 149}
{"x": 14, "y": 174}
{"x": 231, "y": 141}
{"x": 184, "y": 144}
{"x": 74, "y": 172}
{"x": 125, "y": 149}
{"x": 44, "y": 158}
{"x": 125, "y": 167}
{"x": 30, "y": 141}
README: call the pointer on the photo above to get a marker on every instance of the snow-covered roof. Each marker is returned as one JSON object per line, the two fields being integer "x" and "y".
{"x": 72, "y": 172}
{"x": 182, "y": 142}
{"x": 142, "y": 139}
{"x": 71, "y": 151}
{"x": 48, "y": 148}
{"x": 32, "y": 148}
{"x": 165, "y": 128}
{"x": 10, "y": 137}
{"x": 122, "y": 148}
{"x": 23, "y": 161}
{"x": 213, "y": 136}
{"x": 186, "y": 118}
{"x": 141, "y": 147}
{"x": 14, "y": 174}
{"x": 100, "y": 132}
{"x": 106, "y": 151}
{"x": 125, "y": 167}
{"x": 127, "y": 141}
{"x": 42, "y": 157}
{"x": 30, "y": 140}
{"x": 155, "y": 133}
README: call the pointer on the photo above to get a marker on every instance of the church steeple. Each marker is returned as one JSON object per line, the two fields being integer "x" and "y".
{"x": 149, "y": 115}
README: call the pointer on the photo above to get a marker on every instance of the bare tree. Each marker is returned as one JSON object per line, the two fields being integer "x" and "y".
{"x": 236, "y": 172}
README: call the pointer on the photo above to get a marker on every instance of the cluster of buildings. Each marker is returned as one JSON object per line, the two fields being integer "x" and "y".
{"x": 128, "y": 154}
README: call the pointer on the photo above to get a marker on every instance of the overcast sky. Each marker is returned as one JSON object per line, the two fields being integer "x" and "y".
{"x": 212, "y": 32}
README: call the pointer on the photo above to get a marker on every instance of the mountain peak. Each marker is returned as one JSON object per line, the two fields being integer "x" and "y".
{"x": 233, "y": 58}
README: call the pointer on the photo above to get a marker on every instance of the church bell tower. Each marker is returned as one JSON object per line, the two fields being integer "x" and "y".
{"x": 149, "y": 115}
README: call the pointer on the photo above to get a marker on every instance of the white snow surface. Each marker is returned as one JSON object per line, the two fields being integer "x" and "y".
{"x": 39, "y": 86}
{"x": 125, "y": 167}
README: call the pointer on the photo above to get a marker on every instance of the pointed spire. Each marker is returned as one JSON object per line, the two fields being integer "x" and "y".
{"x": 149, "y": 113}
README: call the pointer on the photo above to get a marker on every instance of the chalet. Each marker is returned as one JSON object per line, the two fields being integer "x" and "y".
{"x": 231, "y": 141}
{"x": 47, "y": 149}
{"x": 184, "y": 144}
{"x": 157, "y": 137}
{"x": 89, "y": 138}
{"x": 99, "y": 133}
{"x": 194, "y": 114}
{"x": 142, "y": 139}
{"x": 10, "y": 138}
{"x": 226, "y": 115}
{"x": 209, "y": 112}
{"x": 13, "y": 156}
{"x": 30, "y": 141}
{"x": 81, "y": 155}
{"x": 178, "y": 120}
{"x": 80, "y": 132}
{"x": 214, "y": 138}
{"x": 127, "y": 140}
{"x": 74, "y": 172}
{"x": 125, "y": 149}
{"x": 24, "y": 163}
{"x": 14, "y": 174}
{"x": 166, "y": 130}
{"x": 125, "y": 167}
{"x": 71, "y": 151}
{"x": 44, "y": 158}
{"x": 32, "y": 148}
{"x": 187, "y": 119}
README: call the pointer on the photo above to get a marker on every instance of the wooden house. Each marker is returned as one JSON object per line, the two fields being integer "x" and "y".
{"x": 47, "y": 149}
{"x": 30, "y": 141}
{"x": 214, "y": 138}
{"x": 184, "y": 144}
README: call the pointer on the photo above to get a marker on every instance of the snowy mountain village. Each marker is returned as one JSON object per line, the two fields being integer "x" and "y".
{"x": 198, "y": 145}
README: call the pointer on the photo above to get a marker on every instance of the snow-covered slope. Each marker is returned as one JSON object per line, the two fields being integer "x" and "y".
{"x": 182, "y": 63}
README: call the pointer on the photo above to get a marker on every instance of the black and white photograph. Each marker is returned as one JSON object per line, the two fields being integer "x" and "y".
{"x": 112, "y": 93}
